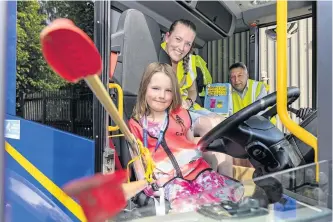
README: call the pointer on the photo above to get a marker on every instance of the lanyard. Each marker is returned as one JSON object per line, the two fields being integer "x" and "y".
{"x": 160, "y": 136}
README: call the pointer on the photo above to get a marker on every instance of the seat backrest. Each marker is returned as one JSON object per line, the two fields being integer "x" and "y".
{"x": 138, "y": 39}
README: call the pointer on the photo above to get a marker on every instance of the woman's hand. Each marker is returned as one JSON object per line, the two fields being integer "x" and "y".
{"x": 186, "y": 104}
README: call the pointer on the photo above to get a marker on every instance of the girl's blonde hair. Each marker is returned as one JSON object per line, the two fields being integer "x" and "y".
{"x": 141, "y": 107}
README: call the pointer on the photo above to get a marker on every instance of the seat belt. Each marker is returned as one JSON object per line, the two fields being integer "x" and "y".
{"x": 113, "y": 63}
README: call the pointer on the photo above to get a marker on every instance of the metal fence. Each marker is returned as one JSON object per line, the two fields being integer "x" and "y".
{"x": 69, "y": 109}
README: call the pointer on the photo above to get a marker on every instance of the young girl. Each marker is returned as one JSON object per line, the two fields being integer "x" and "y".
{"x": 164, "y": 127}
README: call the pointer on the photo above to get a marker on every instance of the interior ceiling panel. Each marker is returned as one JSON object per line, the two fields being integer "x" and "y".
{"x": 264, "y": 11}
{"x": 247, "y": 5}
{"x": 246, "y": 13}
{"x": 164, "y": 12}
{"x": 171, "y": 10}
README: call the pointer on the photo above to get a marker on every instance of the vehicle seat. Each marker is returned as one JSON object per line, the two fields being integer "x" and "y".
{"x": 137, "y": 39}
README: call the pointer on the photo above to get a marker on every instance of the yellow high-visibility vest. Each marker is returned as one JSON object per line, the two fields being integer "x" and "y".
{"x": 254, "y": 88}
{"x": 252, "y": 93}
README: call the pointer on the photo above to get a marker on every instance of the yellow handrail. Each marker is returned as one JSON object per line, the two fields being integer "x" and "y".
{"x": 294, "y": 128}
{"x": 120, "y": 104}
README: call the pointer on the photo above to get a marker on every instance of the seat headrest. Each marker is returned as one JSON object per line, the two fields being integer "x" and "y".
{"x": 139, "y": 37}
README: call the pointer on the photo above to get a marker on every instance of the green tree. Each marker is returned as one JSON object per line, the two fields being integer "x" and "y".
{"x": 33, "y": 73}
{"x": 80, "y": 12}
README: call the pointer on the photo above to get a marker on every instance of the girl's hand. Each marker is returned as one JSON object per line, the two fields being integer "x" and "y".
{"x": 161, "y": 181}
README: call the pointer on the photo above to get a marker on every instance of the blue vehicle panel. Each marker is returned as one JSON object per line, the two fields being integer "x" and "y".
{"x": 59, "y": 155}
{"x": 28, "y": 200}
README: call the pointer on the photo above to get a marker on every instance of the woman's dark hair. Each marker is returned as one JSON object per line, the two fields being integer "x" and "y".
{"x": 190, "y": 25}
{"x": 183, "y": 22}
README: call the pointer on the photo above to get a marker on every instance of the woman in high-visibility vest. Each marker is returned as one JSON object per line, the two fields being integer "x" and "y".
{"x": 178, "y": 44}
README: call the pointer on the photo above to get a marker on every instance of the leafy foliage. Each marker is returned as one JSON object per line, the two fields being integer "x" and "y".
{"x": 80, "y": 12}
{"x": 33, "y": 73}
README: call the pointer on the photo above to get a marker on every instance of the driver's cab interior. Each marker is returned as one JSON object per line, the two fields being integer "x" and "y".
{"x": 137, "y": 42}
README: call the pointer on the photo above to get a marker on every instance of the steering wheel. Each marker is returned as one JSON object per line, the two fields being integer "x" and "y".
{"x": 229, "y": 126}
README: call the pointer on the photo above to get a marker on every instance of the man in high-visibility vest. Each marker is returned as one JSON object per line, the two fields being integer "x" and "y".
{"x": 245, "y": 91}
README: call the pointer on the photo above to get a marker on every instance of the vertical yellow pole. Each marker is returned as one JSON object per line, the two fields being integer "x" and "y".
{"x": 299, "y": 132}
{"x": 120, "y": 104}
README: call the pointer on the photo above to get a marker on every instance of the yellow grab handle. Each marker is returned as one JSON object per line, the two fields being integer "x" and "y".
{"x": 120, "y": 104}
{"x": 294, "y": 128}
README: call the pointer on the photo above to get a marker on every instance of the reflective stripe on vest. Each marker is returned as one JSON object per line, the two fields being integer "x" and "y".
{"x": 252, "y": 93}
{"x": 254, "y": 86}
